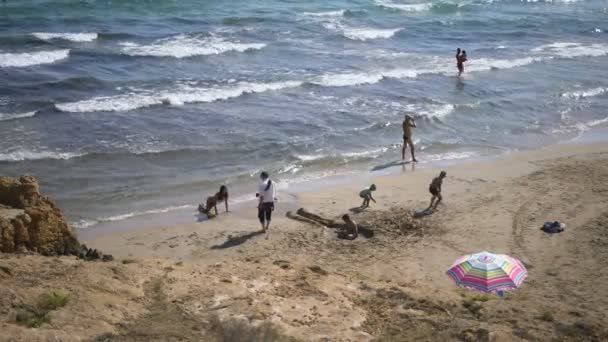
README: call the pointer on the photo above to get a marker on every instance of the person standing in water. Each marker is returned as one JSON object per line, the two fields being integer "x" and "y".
{"x": 266, "y": 194}
{"x": 408, "y": 124}
{"x": 461, "y": 57}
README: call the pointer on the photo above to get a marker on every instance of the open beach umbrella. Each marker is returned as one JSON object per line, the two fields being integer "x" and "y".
{"x": 488, "y": 272}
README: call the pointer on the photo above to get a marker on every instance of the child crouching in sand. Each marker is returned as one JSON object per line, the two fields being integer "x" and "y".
{"x": 366, "y": 194}
{"x": 435, "y": 190}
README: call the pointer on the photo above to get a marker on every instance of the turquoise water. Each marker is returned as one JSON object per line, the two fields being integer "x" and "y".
{"x": 129, "y": 107}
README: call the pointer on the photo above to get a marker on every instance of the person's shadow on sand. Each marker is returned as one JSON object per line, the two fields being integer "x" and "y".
{"x": 357, "y": 210}
{"x": 234, "y": 241}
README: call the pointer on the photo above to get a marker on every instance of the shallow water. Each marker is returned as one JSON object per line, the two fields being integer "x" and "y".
{"x": 129, "y": 107}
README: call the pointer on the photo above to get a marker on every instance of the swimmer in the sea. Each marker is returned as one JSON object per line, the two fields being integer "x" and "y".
{"x": 461, "y": 57}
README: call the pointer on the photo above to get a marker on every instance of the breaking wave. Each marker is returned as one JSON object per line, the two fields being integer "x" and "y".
{"x": 26, "y": 59}
{"x": 74, "y": 37}
{"x": 184, "y": 95}
{"x": 182, "y": 46}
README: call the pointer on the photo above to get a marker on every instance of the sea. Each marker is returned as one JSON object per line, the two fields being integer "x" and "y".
{"x": 128, "y": 108}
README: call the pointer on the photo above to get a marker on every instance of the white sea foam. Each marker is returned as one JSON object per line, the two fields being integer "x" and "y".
{"x": 586, "y": 93}
{"x": 363, "y": 154}
{"x": 345, "y": 80}
{"x": 311, "y": 157}
{"x": 82, "y": 224}
{"x": 110, "y": 103}
{"x": 419, "y": 7}
{"x": 346, "y": 155}
{"x": 597, "y": 122}
{"x": 449, "y": 156}
{"x": 15, "y": 116}
{"x": 184, "y": 94}
{"x": 571, "y": 50}
{"x": 22, "y": 155}
{"x": 186, "y": 46}
{"x": 484, "y": 64}
{"x": 438, "y": 111}
{"x": 74, "y": 37}
{"x": 431, "y": 111}
{"x": 327, "y": 14}
{"x": 333, "y": 21}
{"x": 366, "y": 33}
{"x": 32, "y": 58}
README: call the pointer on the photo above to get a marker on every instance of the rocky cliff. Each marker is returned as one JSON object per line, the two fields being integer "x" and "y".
{"x": 30, "y": 221}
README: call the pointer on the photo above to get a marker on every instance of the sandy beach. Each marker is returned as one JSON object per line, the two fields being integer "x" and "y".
{"x": 222, "y": 280}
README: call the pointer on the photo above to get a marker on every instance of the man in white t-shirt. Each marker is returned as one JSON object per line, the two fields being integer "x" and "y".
{"x": 266, "y": 194}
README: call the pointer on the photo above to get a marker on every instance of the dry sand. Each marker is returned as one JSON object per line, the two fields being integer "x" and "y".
{"x": 221, "y": 280}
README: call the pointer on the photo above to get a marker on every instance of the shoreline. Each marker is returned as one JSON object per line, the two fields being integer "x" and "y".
{"x": 311, "y": 194}
{"x": 187, "y": 214}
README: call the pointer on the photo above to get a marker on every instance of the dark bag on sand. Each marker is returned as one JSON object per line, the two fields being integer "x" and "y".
{"x": 552, "y": 227}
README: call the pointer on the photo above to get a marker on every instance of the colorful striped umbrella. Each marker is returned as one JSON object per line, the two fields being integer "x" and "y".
{"x": 488, "y": 272}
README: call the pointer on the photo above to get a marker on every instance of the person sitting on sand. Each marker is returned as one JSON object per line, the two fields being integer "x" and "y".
{"x": 408, "y": 124}
{"x": 366, "y": 194}
{"x": 435, "y": 190}
{"x": 212, "y": 202}
{"x": 350, "y": 230}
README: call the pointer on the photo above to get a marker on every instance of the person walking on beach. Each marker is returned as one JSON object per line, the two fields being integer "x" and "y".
{"x": 212, "y": 201}
{"x": 266, "y": 194}
{"x": 435, "y": 190}
{"x": 366, "y": 194}
{"x": 408, "y": 124}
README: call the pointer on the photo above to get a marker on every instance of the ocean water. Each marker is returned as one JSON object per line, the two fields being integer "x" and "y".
{"x": 129, "y": 107}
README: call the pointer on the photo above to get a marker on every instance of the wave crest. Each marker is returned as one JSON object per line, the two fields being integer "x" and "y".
{"x": 74, "y": 37}
{"x": 15, "y": 116}
{"x": 585, "y": 93}
{"x": 16, "y": 156}
{"x": 26, "y": 59}
{"x": 184, "y": 95}
{"x": 182, "y": 46}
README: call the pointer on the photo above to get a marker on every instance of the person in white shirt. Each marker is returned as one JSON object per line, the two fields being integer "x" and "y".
{"x": 266, "y": 194}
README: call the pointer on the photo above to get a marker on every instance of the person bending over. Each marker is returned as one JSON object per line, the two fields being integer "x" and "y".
{"x": 212, "y": 201}
{"x": 435, "y": 190}
{"x": 366, "y": 194}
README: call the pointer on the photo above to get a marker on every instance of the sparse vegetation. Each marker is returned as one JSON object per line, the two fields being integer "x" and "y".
{"x": 578, "y": 329}
{"x": 128, "y": 261}
{"x": 480, "y": 298}
{"x": 49, "y": 302}
{"x": 239, "y": 330}
{"x": 37, "y": 315}
{"x": 547, "y": 316}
